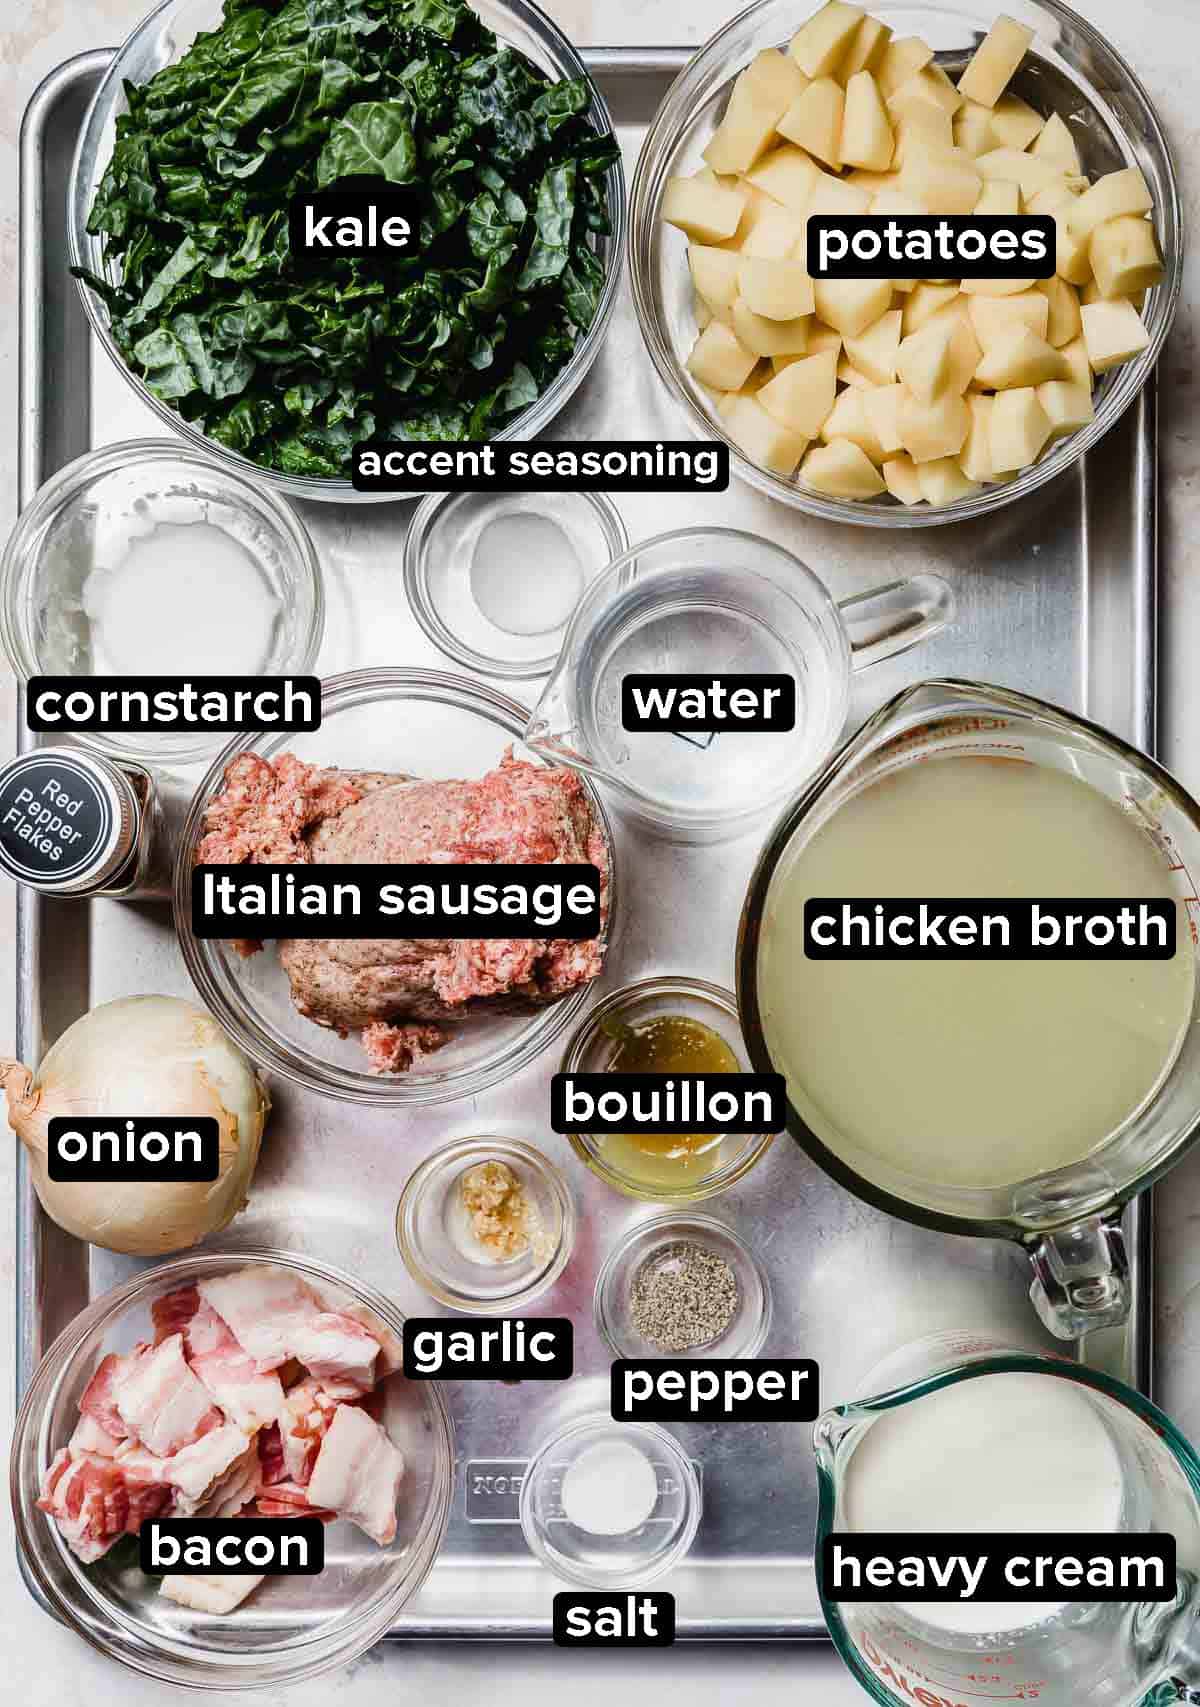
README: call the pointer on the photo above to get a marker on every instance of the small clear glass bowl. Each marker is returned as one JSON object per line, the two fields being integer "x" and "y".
{"x": 418, "y": 723}
{"x": 86, "y": 518}
{"x": 639, "y": 1556}
{"x": 1071, "y": 68}
{"x": 438, "y": 1246}
{"x": 650, "y": 1241}
{"x": 290, "y": 1628}
{"x": 440, "y": 575}
{"x": 592, "y": 1049}
{"x": 159, "y": 40}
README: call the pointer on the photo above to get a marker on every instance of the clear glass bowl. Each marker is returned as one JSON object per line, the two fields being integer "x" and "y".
{"x": 162, "y": 38}
{"x": 290, "y": 1628}
{"x": 440, "y": 549}
{"x": 650, "y": 1241}
{"x": 438, "y": 1247}
{"x": 88, "y": 516}
{"x": 636, "y": 1557}
{"x": 591, "y": 1050}
{"x": 1071, "y": 68}
{"x": 419, "y": 723}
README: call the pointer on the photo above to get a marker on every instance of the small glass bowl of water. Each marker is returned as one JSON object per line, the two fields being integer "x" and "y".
{"x": 493, "y": 578}
{"x": 149, "y": 559}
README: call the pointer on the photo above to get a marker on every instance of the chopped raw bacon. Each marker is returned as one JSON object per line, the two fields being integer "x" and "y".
{"x": 89, "y": 1437}
{"x": 95, "y": 1501}
{"x": 285, "y": 1499}
{"x": 358, "y": 1473}
{"x": 212, "y": 1594}
{"x": 193, "y": 1469}
{"x": 339, "y": 1351}
{"x": 263, "y": 1308}
{"x": 249, "y": 1397}
{"x": 270, "y": 1456}
{"x": 173, "y": 1311}
{"x": 307, "y": 1413}
{"x": 160, "y": 1401}
{"x": 98, "y": 1400}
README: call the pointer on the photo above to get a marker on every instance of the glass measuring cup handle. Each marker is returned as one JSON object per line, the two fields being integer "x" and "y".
{"x": 1081, "y": 1276}
{"x": 889, "y": 619}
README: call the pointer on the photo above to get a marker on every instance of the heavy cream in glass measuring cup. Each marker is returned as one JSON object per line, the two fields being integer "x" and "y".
{"x": 716, "y": 602}
{"x": 1026, "y": 1098}
{"x": 970, "y": 1438}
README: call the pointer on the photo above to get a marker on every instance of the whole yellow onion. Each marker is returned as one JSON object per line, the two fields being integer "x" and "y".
{"x": 156, "y": 1056}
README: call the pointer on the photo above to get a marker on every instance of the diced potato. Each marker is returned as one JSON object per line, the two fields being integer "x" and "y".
{"x": 992, "y": 314}
{"x": 999, "y": 197}
{"x": 1018, "y": 359}
{"x": 707, "y": 212}
{"x": 773, "y": 233}
{"x": 1015, "y": 167}
{"x": 930, "y": 86}
{"x": 1113, "y": 333}
{"x": 1062, "y": 321}
{"x": 819, "y": 45}
{"x": 757, "y": 101}
{"x": 943, "y": 482}
{"x": 841, "y": 470}
{"x": 973, "y": 128}
{"x": 787, "y": 175}
{"x": 901, "y": 60}
{"x": 881, "y": 405}
{"x": 994, "y": 62}
{"x": 851, "y": 305}
{"x": 923, "y": 361}
{"x": 849, "y": 375}
{"x": 874, "y": 351}
{"x": 867, "y": 47}
{"x": 923, "y": 303}
{"x": 943, "y": 183}
{"x": 871, "y": 182}
{"x": 930, "y": 430}
{"x": 900, "y": 476}
{"x": 966, "y": 351}
{"x": 1020, "y": 428}
{"x": 1124, "y": 256}
{"x": 814, "y": 120}
{"x": 866, "y": 138}
{"x": 714, "y": 274}
{"x": 1115, "y": 194}
{"x": 1076, "y": 366}
{"x": 848, "y": 420}
{"x": 1072, "y": 256}
{"x": 764, "y": 440}
{"x": 768, "y": 337}
{"x": 824, "y": 337}
{"x": 776, "y": 290}
{"x": 1055, "y": 143}
{"x": 837, "y": 196}
{"x": 703, "y": 314}
{"x": 1068, "y": 407}
{"x": 923, "y": 130}
{"x": 1014, "y": 122}
{"x": 1056, "y": 199}
{"x": 975, "y": 458}
{"x": 718, "y": 359}
{"x": 996, "y": 287}
{"x": 802, "y": 394}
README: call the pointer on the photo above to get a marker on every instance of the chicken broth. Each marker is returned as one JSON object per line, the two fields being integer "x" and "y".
{"x": 970, "y": 1073}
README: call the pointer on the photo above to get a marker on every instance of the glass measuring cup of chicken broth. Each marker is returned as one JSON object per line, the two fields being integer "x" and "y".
{"x": 1026, "y": 1098}
{"x": 703, "y": 603}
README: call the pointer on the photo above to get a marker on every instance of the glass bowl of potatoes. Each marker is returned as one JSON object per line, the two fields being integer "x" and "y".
{"x": 897, "y": 402}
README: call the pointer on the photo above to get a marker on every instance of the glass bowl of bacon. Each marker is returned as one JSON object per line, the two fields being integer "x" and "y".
{"x": 215, "y": 1415}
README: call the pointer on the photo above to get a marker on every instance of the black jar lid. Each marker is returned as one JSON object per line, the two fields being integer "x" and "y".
{"x": 69, "y": 821}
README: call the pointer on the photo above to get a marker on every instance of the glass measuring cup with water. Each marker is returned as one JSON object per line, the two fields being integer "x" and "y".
{"x": 716, "y": 602}
{"x": 1117, "y": 1652}
{"x": 1067, "y": 1217}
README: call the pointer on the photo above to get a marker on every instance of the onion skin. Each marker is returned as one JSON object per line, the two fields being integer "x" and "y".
{"x": 147, "y": 1055}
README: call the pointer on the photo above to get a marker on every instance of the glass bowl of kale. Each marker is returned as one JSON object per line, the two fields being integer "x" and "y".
{"x": 213, "y": 117}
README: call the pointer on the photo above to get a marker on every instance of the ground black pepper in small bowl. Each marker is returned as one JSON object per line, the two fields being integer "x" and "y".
{"x": 683, "y": 1296}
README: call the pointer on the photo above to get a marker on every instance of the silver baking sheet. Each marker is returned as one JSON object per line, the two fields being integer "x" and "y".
{"x": 1055, "y": 596}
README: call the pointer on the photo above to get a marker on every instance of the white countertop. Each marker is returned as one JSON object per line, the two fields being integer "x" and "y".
{"x": 54, "y": 1668}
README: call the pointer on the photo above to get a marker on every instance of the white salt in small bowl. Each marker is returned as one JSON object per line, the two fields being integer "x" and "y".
{"x": 493, "y": 577}
{"x": 594, "y": 1516}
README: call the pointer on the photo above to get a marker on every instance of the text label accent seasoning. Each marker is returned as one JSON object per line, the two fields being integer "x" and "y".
{"x": 539, "y": 1348}
{"x": 837, "y": 928}
{"x": 114, "y": 1148}
{"x": 354, "y": 218}
{"x": 930, "y": 246}
{"x": 604, "y": 1620}
{"x": 594, "y": 465}
{"x": 744, "y": 1389}
{"x": 965, "y": 1568}
{"x": 747, "y": 1103}
{"x": 358, "y": 902}
{"x": 691, "y": 704}
{"x": 57, "y": 705}
{"x": 232, "y": 1547}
